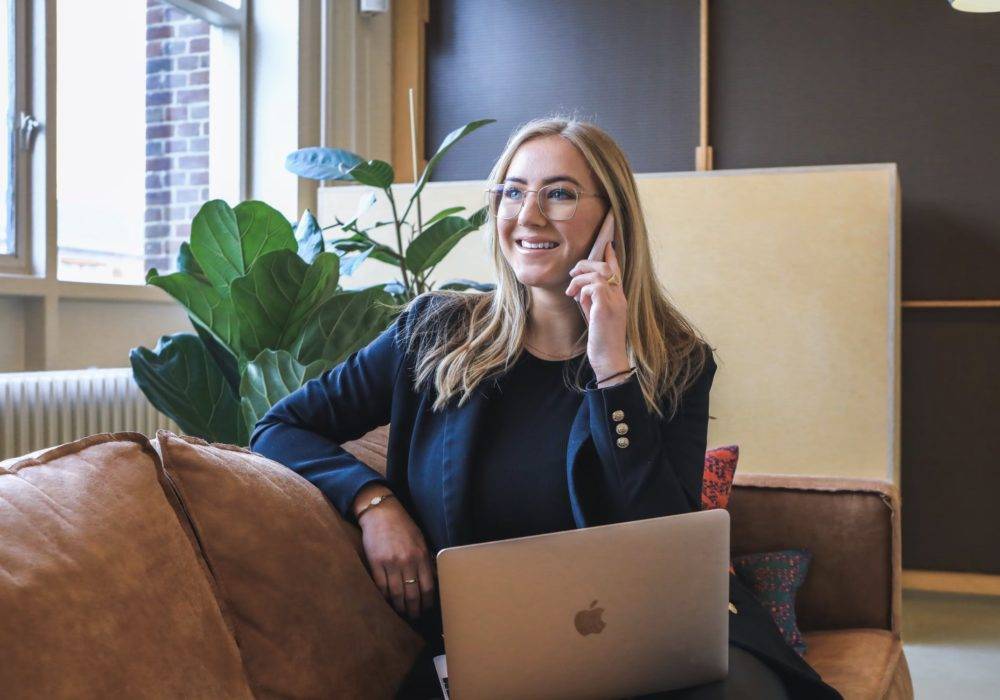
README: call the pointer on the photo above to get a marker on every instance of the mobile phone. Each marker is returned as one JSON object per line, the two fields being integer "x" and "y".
{"x": 606, "y": 234}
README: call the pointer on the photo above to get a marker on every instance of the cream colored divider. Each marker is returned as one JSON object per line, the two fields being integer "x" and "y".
{"x": 793, "y": 276}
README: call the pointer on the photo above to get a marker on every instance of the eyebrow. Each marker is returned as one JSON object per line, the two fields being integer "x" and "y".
{"x": 546, "y": 181}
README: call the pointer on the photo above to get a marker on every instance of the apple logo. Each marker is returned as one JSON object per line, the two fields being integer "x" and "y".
{"x": 589, "y": 621}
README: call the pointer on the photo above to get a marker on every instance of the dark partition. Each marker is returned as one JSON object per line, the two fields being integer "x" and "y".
{"x": 792, "y": 83}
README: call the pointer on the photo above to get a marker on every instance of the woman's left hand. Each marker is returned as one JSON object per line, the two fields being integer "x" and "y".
{"x": 605, "y": 309}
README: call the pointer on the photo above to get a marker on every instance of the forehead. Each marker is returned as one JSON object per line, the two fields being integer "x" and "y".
{"x": 545, "y": 157}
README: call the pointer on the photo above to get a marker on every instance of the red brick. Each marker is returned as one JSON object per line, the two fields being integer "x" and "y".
{"x": 187, "y": 196}
{"x": 195, "y": 95}
{"x": 154, "y": 49}
{"x": 154, "y": 164}
{"x": 199, "y": 111}
{"x": 176, "y": 114}
{"x": 157, "y": 230}
{"x": 199, "y": 145}
{"x": 154, "y": 214}
{"x": 177, "y": 213}
{"x": 199, "y": 177}
{"x": 188, "y": 129}
{"x": 160, "y": 31}
{"x": 198, "y": 78}
{"x": 177, "y": 146}
{"x": 198, "y": 45}
{"x": 174, "y": 178}
{"x": 187, "y": 62}
{"x": 193, "y": 162}
{"x": 159, "y": 131}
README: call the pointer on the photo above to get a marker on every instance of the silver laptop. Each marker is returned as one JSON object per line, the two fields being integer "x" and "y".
{"x": 600, "y": 612}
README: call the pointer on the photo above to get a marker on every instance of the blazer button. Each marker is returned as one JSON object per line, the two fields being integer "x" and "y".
{"x": 621, "y": 428}
{"x": 618, "y": 415}
{"x": 623, "y": 442}
{"x": 732, "y": 608}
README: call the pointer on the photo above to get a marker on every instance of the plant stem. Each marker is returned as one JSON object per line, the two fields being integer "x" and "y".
{"x": 399, "y": 238}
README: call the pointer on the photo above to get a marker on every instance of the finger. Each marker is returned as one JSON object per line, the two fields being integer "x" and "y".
{"x": 411, "y": 591}
{"x": 378, "y": 575}
{"x": 426, "y": 584}
{"x": 395, "y": 579}
{"x": 590, "y": 277}
{"x": 583, "y": 266}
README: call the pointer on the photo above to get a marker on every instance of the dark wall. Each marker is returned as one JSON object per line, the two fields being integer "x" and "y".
{"x": 519, "y": 59}
{"x": 792, "y": 83}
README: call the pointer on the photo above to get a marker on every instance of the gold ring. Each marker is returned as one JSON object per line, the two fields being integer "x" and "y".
{"x": 409, "y": 580}
{"x": 614, "y": 279}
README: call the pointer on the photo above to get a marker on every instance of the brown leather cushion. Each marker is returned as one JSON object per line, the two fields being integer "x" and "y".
{"x": 101, "y": 594}
{"x": 860, "y": 663}
{"x": 309, "y": 620}
{"x": 849, "y": 534}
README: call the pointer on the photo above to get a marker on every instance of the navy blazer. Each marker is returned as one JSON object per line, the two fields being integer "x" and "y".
{"x": 429, "y": 455}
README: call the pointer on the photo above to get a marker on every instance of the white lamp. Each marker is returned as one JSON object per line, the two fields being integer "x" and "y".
{"x": 976, "y": 5}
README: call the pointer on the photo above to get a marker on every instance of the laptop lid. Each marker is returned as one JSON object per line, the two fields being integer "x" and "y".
{"x": 606, "y": 611}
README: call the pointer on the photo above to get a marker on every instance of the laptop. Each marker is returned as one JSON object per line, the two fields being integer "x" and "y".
{"x": 602, "y": 612}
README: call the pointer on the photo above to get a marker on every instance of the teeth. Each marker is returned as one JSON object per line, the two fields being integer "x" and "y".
{"x": 535, "y": 246}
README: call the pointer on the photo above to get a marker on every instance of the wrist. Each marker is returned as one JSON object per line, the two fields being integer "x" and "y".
{"x": 364, "y": 497}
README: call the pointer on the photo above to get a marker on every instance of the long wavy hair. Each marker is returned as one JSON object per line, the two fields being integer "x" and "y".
{"x": 462, "y": 338}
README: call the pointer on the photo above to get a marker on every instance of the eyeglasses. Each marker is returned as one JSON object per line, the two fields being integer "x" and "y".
{"x": 555, "y": 202}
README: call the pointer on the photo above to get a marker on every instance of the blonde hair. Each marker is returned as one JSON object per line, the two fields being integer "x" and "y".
{"x": 469, "y": 336}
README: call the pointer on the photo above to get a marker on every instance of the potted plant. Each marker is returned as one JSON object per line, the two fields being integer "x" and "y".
{"x": 265, "y": 300}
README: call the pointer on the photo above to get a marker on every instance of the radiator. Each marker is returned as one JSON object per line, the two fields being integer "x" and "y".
{"x": 44, "y": 409}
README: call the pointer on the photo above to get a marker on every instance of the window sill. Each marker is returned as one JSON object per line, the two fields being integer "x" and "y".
{"x": 29, "y": 286}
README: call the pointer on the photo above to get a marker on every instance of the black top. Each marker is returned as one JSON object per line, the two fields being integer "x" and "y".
{"x": 518, "y": 479}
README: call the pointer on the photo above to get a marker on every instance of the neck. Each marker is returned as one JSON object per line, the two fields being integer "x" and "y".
{"x": 554, "y": 323}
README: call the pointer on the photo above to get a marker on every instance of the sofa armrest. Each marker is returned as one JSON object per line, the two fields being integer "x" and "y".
{"x": 852, "y": 528}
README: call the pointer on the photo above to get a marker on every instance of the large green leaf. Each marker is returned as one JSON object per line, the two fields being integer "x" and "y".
{"x": 344, "y": 323}
{"x": 181, "y": 380}
{"x": 374, "y": 173}
{"x": 227, "y": 362}
{"x": 279, "y": 295}
{"x": 361, "y": 242}
{"x": 322, "y": 163}
{"x": 449, "y": 141}
{"x": 441, "y": 214}
{"x": 272, "y": 376}
{"x": 204, "y": 302}
{"x": 430, "y": 247}
{"x": 226, "y": 242}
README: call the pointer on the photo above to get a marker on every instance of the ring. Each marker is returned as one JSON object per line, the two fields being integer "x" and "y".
{"x": 614, "y": 279}
{"x": 409, "y": 580}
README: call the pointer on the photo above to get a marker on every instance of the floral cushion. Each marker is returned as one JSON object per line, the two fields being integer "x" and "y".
{"x": 717, "y": 480}
{"x": 774, "y": 578}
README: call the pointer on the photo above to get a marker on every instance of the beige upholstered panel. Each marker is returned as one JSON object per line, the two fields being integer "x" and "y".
{"x": 792, "y": 273}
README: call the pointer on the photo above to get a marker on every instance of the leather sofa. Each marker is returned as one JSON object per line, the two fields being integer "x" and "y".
{"x": 172, "y": 567}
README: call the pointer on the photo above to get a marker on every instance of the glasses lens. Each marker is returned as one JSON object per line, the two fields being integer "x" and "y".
{"x": 505, "y": 200}
{"x": 558, "y": 202}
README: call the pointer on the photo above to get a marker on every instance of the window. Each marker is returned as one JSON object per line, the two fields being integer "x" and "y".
{"x": 8, "y": 144}
{"x": 148, "y": 118}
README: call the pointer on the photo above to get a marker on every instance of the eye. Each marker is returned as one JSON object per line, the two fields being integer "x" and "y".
{"x": 512, "y": 193}
{"x": 561, "y": 193}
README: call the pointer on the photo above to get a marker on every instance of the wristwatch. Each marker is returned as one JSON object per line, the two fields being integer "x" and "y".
{"x": 372, "y": 503}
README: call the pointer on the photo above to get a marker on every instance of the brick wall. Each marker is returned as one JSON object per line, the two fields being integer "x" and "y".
{"x": 177, "y": 66}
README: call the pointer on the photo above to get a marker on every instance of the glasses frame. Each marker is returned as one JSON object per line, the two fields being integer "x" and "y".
{"x": 579, "y": 193}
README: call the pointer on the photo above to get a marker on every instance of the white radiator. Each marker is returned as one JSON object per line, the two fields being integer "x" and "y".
{"x": 44, "y": 409}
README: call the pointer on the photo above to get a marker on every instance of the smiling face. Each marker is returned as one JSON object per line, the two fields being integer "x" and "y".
{"x": 538, "y": 162}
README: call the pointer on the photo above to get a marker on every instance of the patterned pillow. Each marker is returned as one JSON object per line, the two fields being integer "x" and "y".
{"x": 717, "y": 480}
{"x": 775, "y": 577}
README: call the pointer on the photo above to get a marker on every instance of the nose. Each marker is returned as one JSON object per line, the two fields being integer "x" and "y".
{"x": 530, "y": 214}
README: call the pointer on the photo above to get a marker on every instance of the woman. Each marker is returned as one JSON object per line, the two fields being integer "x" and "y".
{"x": 572, "y": 395}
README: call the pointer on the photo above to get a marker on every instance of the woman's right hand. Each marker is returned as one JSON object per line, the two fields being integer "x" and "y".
{"x": 395, "y": 549}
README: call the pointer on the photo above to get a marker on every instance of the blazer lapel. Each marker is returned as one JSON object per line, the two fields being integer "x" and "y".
{"x": 462, "y": 425}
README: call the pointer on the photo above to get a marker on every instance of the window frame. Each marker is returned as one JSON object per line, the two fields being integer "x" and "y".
{"x": 21, "y": 158}
{"x": 32, "y": 269}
